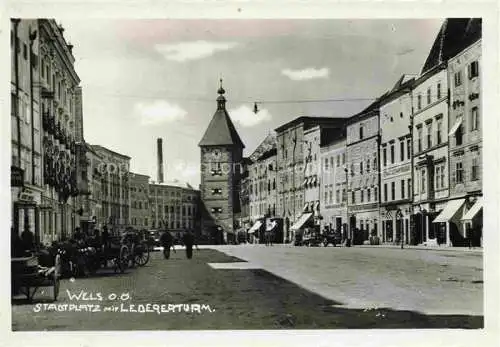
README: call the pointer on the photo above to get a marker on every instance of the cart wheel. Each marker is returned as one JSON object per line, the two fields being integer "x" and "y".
{"x": 123, "y": 259}
{"x": 142, "y": 257}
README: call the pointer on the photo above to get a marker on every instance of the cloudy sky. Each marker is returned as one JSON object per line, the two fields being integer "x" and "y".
{"x": 144, "y": 79}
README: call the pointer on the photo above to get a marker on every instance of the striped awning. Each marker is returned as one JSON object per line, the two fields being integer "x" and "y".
{"x": 451, "y": 208}
{"x": 255, "y": 227}
{"x": 301, "y": 221}
{"x": 474, "y": 210}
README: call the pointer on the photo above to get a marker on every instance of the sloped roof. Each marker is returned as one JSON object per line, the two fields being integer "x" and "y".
{"x": 221, "y": 131}
{"x": 455, "y": 35}
{"x": 267, "y": 144}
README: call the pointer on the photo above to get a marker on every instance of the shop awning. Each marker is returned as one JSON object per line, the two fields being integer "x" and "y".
{"x": 449, "y": 211}
{"x": 316, "y": 206}
{"x": 455, "y": 126}
{"x": 304, "y": 184}
{"x": 255, "y": 227}
{"x": 301, "y": 221}
{"x": 314, "y": 180}
{"x": 306, "y": 207}
{"x": 478, "y": 205}
{"x": 271, "y": 226}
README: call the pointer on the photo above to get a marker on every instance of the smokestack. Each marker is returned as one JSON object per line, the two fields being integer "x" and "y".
{"x": 160, "y": 159}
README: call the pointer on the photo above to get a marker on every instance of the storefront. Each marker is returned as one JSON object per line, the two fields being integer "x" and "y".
{"x": 396, "y": 224}
{"x": 473, "y": 223}
{"x": 255, "y": 231}
{"x": 450, "y": 223}
{"x": 25, "y": 205}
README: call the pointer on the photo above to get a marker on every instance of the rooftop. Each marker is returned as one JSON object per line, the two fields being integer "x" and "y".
{"x": 313, "y": 121}
{"x": 101, "y": 148}
{"x": 455, "y": 35}
{"x": 172, "y": 184}
{"x": 221, "y": 130}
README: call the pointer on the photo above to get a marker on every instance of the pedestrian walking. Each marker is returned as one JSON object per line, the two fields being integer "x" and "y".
{"x": 105, "y": 237}
{"x": 167, "y": 242}
{"x": 189, "y": 240}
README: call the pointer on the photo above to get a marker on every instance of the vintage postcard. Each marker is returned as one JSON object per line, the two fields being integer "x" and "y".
{"x": 227, "y": 173}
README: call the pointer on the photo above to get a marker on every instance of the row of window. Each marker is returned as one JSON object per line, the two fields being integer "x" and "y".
{"x": 429, "y": 139}
{"x": 334, "y": 163}
{"x": 186, "y": 210}
{"x": 459, "y": 176}
{"x": 472, "y": 72}
{"x": 402, "y": 145}
{"x": 139, "y": 205}
{"x": 261, "y": 209}
{"x": 328, "y": 197}
{"x": 458, "y": 135}
{"x": 369, "y": 195}
{"x": 429, "y": 96}
{"x": 404, "y": 193}
{"x": 261, "y": 187}
{"x": 363, "y": 168}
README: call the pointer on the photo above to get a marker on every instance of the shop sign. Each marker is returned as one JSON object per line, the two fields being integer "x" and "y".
{"x": 27, "y": 196}
{"x": 16, "y": 176}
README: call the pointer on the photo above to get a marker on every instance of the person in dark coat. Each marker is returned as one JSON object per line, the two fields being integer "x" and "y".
{"x": 105, "y": 237}
{"x": 78, "y": 236}
{"x": 167, "y": 242}
{"x": 28, "y": 240}
{"x": 16, "y": 244}
{"x": 189, "y": 240}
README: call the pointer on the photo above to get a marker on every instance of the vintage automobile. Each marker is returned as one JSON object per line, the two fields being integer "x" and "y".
{"x": 332, "y": 238}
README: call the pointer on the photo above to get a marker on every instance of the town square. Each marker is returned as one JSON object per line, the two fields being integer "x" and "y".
{"x": 171, "y": 174}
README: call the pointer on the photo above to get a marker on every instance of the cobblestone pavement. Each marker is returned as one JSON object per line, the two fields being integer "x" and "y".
{"x": 251, "y": 298}
{"x": 427, "y": 281}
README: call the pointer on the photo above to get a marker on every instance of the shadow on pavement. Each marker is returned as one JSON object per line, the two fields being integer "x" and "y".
{"x": 331, "y": 316}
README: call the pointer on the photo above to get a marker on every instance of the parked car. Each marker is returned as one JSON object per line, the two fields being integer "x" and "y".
{"x": 332, "y": 238}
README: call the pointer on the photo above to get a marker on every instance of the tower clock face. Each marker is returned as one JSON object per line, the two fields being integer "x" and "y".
{"x": 216, "y": 154}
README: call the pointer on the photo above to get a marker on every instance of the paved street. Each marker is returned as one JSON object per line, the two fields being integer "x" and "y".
{"x": 427, "y": 281}
{"x": 249, "y": 296}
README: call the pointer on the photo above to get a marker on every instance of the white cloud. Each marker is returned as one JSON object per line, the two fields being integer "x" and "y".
{"x": 192, "y": 50}
{"x": 306, "y": 74}
{"x": 159, "y": 112}
{"x": 186, "y": 170}
{"x": 247, "y": 118}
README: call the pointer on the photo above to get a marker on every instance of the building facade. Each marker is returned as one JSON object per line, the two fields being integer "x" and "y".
{"x": 291, "y": 165}
{"x": 115, "y": 198}
{"x": 88, "y": 203}
{"x": 465, "y": 143}
{"x": 430, "y": 158}
{"x": 27, "y": 170}
{"x": 312, "y": 173}
{"x": 174, "y": 207}
{"x": 333, "y": 193}
{"x": 245, "y": 219}
{"x": 139, "y": 200}
{"x": 44, "y": 150}
{"x": 221, "y": 152}
{"x": 395, "y": 162}
{"x": 363, "y": 177}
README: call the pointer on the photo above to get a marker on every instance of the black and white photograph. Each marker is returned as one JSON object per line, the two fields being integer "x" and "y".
{"x": 246, "y": 174}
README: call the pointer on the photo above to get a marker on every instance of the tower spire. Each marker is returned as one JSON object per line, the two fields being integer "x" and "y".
{"x": 221, "y": 100}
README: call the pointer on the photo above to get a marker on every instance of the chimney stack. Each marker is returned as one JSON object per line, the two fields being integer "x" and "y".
{"x": 159, "y": 142}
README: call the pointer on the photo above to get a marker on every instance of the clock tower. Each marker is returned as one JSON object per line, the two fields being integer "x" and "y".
{"x": 221, "y": 155}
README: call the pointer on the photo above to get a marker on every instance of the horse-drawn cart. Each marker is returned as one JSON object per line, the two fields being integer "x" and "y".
{"x": 28, "y": 276}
